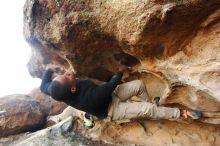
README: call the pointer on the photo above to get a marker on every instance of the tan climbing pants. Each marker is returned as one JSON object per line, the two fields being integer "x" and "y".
{"x": 123, "y": 108}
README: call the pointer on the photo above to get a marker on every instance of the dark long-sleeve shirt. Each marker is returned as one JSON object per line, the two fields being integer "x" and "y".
{"x": 89, "y": 97}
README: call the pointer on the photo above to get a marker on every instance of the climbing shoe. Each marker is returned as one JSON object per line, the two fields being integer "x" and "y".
{"x": 191, "y": 114}
{"x": 88, "y": 121}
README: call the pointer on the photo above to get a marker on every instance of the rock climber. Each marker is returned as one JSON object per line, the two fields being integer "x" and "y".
{"x": 109, "y": 100}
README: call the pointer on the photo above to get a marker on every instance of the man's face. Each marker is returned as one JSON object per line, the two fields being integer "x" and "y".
{"x": 66, "y": 79}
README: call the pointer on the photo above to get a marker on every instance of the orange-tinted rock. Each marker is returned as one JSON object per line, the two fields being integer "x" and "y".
{"x": 172, "y": 45}
{"x": 19, "y": 113}
{"x": 158, "y": 133}
{"x": 177, "y": 41}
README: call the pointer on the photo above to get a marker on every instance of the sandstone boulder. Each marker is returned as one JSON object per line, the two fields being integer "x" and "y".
{"x": 172, "y": 45}
{"x": 160, "y": 38}
{"x": 59, "y": 134}
{"x": 19, "y": 113}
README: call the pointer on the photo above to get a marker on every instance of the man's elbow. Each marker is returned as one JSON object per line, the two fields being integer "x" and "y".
{"x": 43, "y": 89}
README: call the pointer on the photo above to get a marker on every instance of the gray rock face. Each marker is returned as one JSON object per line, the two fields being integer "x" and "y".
{"x": 59, "y": 134}
{"x": 55, "y": 135}
{"x": 19, "y": 113}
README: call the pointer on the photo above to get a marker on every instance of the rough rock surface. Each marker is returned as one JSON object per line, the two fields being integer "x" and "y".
{"x": 49, "y": 106}
{"x": 172, "y": 45}
{"x": 145, "y": 132}
{"x": 19, "y": 113}
{"x": 153, "y": 133}
{"x": 59, "y": 134}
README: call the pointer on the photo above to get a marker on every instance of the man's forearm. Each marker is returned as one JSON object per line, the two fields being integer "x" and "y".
{"x": 116, "y": 78}
{"x": 46, "y": 80}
